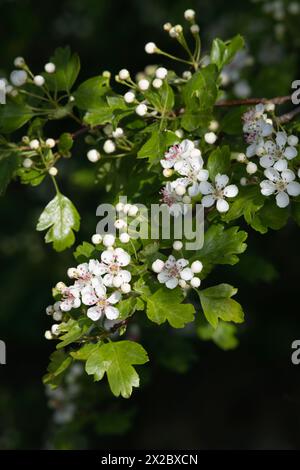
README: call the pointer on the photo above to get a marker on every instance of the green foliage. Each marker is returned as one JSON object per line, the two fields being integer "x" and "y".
{"x": 9, "y": 162}
{"x": 61, "y": 217}
{"x": 165, "y": 305}
{"x": 218, "y": 305}
{"x": 14, "y": 115}
{"x": 116, "y": 359}
{"x": 66, "y": 72}
{"x": 224, "y": 336}
{"x": 219, "y": 161}
{"x": 59, "y": 363}
{"x": 223, "y": 52}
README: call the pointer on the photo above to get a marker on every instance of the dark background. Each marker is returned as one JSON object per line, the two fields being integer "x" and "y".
{"x": 246, "y": 398}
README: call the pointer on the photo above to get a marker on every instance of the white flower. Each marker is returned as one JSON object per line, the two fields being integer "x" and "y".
{"x": 70, "y": 298}
{"x": 157, "y": 83}
{"x": 124, "y": 74}
{"x": 18, "y": 77}
{"x": 177, "y": 152}
{"x": 129, "y": 97}
{"x": 126, "y": 288}
{"x": 93, "y": 155}
{"x": 50, "y": 143}
{"x": 150, "y": 48}
{"x": 53, "y": 171}
{"x": 39, "y": 80}
{"x": 161, "y": 73}
{"x": 218, "y": 192}
{"x": 274, "y": 153}
{"x": 158, "y": 265}
{"x": 96, "y": 295}
{"x": 172, "y": 200}
{"x": 19, "y": 62}
{"x": 141, "y": 109}
{"x": 256, "y": 127}
{"x": 195, "y": 29}
{"x": 96, "y": 238}
{"x": 192, "y": 168}
{"x": 143, "y": 84}
{"x": 109, "y": 146}
{"x": 108, "y": 240}
{"x": 189, "y": 14}
{"x": 195, "y": 282}
{"x": 118, "y": 132}
{"x": 177, "y": 245}
{"x": 27, "y": 163}
{"x": 173, "y": 271}
{"x": 282, "y": 184}
{"x": 112, "y": 262}
{"x": 210, "y": 138}
{"x": 196, "y": 266}
{"x": 50, "y": 67}
{"x": 34, "y": 144}
{"x": 124, "y": 238}
{"x": 251, "y": 168}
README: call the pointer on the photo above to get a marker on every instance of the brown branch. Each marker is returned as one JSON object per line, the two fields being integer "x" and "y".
{"x": 288, "y": 116}
{"x": 252, "y": 101}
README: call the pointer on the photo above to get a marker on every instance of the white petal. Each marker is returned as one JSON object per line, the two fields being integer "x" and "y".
{"x": 221, "y": 181}
{"x": 95, "y": 267}
{"x": 171, "y": 261}
{"x": 267, "y": 130}
{"x": 288, "y": 175}
{"x": 194, "y": 190}
{"x": 172, "y": 283}
{"x": 272, "y": 174}
{"x": 166, "y": 163}
{"x": 208, "y": 201}
{"x": 282, "y": 199}
{"x": 281, "y": 165}
{"x": 111, "y": 312}
{"x": 290, "y": 153}
{"x": 114, "y": 297}
{"x": 231, "y": 190}
{"x": 107, "y": 256}
{"x": 88, "y": 296}
{"x": 251, "y": 150}
{"x": 97, "y": 284}
{"x": 186, "y": 274}
{"x": 163, "y": 277}
{"x": 267, "y": 187}
{"x": 182, "y": 263}
{"x": 94, "y": 313}
{"x": 266, "y": 161}
{"x": 83, "y": 269}
{"x": 293, "y": 188}
{"x": 108, "y": 280}
{"x": 122, "y": 257}
{"x": 281, "y": 139}
{"x": 222, "y": 205}
{"x": 203, "y": 175}
{"x": 205, "y": 187}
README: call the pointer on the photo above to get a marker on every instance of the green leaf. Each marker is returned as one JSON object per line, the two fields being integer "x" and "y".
{"x": 67, "y": 70}
{"x": 165, "y": 305}
{"x": 84, "y": 252}
{"x": 232, "y": 123}
{"x": 126, "y": 308}
{"x": 59, "y": 363}
{"x": 223, "y": 336}
{"x": 200, "y": 92}
{"x": 221, "y": 246}
{"x": 217, "y": 304}
{"x": 117, "y": 360}
{"x": 223, "y": 52}
{"x": 193, "y": 120}
{"x": 9, "y": 163}
{"x": 65, "y": 143}
{"x": 270, "y": 216}
{"x": 162, "y": 99}
{"x": 219, "y": 161}
{"x": 89, "y": 95}
{"x": 13, "y": 116}
{"x": 85, "y": 351}
{"x": 248, "y": 202}
{"x": 156, "y": 145}
{"x": 103, "y": 115}
{"x": 74, "y": 330}
{"x": 61, "y": 217}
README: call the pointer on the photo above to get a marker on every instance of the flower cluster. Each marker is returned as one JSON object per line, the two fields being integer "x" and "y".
{"x": 186, "y": 160}
{"x": 97, "y": 284}
{"x": 175, "y": 273}
{"x": 274, "y": 151}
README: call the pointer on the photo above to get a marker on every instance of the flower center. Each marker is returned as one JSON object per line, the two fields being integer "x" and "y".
{"x": 281, "y": 185}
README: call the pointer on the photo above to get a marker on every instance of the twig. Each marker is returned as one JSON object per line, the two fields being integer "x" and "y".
{"x": 251, "y": 101}
{"x": 288, "y": 116}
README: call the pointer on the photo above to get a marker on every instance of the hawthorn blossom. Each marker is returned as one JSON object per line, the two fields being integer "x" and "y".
{"x": 218, "y": 192}
{"x": 176, "y": 153}
{"x": 95, "y": 296}
{"x": 192, "y": 169}
{"x": 282, "y": 184}
{"x": 172, "y": 199}
{"x": 70, "y": 298}
{"x": 275, "y": 153}
{"x": 256, "y": 127}
{"x": 84, "y": 272}
{"x": 112, "y": 262}
{"x": 172, "y": 271}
